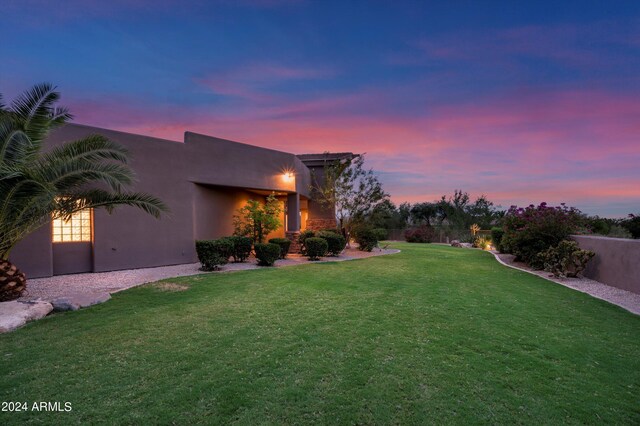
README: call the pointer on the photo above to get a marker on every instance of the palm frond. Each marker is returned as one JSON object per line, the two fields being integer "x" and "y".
{"x": 90, "y": 148}
{"x": 35, "y": 109}
{"x": 74, "y": 173}
{"x": 96, "y": 198}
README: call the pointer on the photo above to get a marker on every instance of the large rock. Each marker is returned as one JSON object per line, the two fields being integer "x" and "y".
{"x": 16, "y": 313}
{"x": 75, "y": 301}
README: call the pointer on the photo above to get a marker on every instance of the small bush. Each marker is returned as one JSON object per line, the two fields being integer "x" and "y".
{"x": 566, "y": 259}
{"x": 267, "y": 254}
{"x": 302, "y": 238}
{"x": 213, "y": 253}
{"x": 367, "y": 239}
{"x": 241, "y": 247}
{"x": 481, "y": 242}
{"x": 419, "y": 234}
{"x": 381, "y": 233}
{"x": 316, "y": 247}
{"x": 284, "y": 245}
{"x": 335, "y": 242}
{"x": 617, "y": 231}
{"x": 496, "y": 236}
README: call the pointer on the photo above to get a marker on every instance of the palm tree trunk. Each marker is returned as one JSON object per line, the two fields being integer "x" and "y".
{"x": 12, "y": 281}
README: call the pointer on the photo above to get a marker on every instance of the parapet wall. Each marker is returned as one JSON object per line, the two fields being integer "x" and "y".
{"x": 616, "y": 263}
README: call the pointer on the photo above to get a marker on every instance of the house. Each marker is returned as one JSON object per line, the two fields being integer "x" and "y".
{"x": 203, "y": 181}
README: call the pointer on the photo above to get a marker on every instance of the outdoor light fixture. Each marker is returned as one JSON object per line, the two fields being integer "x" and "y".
{"x": 288, "y": 176}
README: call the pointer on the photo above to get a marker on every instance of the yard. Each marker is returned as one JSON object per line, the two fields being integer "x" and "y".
{"x": 433, "y": 334}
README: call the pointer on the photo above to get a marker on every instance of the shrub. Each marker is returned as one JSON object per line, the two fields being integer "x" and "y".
{"x": 302, "y": 238}
{"x": 566, "y": 259}
{"x": 367, "y": 239}
{"x": 241, "y": 247}
{"x": 267, "y": 254}
{"x": 213, "y": 253}
{"x": 284, "y": 245}
{"x": 482, "y": 242}
{"x": 496, "y": 236}
{"x": 335, "y": 242}
{"x": 633, "y": 225}
{"x": 316, "y": 247}
{"x": 617, "y": 231}
{"x": 419, "y": 234}
{"x": 381, "y": 233}
{"x": 531, "y": 230}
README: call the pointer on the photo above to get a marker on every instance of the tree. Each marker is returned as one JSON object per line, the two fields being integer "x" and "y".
{"x": 351, "y": 190}
{"x": 36, "y": 187}
{"x": 257, "y": 220}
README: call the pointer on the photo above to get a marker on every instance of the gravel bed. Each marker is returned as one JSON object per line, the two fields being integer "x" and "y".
{"x": 51, "y": 288}
{"x": 623, "y": 298}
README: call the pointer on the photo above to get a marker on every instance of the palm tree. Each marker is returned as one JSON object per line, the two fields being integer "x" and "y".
{"x": 37, "y": 186}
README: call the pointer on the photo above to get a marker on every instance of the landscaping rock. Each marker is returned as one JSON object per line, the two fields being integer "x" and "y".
{"x": 466, "y": 245}
{"x": 16, "y": 313}
{"x": 75, "y": 301}
{"x": 456, "y": 243}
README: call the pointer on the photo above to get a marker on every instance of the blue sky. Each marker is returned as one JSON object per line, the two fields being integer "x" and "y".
{"x": 522, "y": 101}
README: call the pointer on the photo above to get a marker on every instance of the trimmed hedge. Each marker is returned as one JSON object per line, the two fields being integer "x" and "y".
{"x": 302, "y": 238}
{"x": 267, "y": 254}
{"x": 316, "y": 247}
{"x": 335, "y": 242}
{"x": 367, "y": 239}
{"x": 284, "y": 245}
{"x": 241, "y": 247}
{"x": 213, "y": 253}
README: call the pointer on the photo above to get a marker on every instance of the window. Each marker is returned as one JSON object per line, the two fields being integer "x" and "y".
{"x": 76, "y": 229}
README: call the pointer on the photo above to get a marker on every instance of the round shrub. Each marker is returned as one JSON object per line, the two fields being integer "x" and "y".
{"x": 316, "y": 247}
{"x": 335, "y": 242}
{"x": 213, "y": 253}
{"x": 241, "y": 247}
{"x": 367, "y": 239}
{"x": 302, "y": 238}
{"x": 419, "y": 234}
{"x": 267, "y": 254}
{"x": 381, "y": 233}
{"x": 284, "y": 245}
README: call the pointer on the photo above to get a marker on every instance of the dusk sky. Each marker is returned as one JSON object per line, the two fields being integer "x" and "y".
{"x": 522, "y": 101}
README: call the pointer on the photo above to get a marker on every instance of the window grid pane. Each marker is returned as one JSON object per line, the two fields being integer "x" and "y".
{"x": 76, "y": 229}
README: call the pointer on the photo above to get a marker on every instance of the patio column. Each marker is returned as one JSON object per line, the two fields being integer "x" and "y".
{"x": 293, "y": 212}
{"x": 293, "y": 222}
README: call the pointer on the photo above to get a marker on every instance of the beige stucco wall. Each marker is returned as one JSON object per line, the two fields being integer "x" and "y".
{"x": 616, "y": 263}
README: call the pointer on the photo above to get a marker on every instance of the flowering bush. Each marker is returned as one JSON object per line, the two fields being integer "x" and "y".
{"x": 419, "y": 234}
{"x": 566, "y": 259}
{"x": 533, "y": 229}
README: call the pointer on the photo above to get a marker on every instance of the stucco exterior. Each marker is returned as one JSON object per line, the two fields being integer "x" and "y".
{"x": 616, "y": 263}
{"x": 203, "y": 180}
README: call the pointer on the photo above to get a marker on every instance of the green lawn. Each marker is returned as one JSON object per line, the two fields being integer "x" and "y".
{"x": 431, "y": 335}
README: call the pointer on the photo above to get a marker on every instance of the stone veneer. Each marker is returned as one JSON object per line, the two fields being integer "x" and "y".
{"x": 319, "y": 224}
{"x": 295, "y": 243}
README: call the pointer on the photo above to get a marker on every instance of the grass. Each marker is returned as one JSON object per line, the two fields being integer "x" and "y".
{"x": 432, "y": 335}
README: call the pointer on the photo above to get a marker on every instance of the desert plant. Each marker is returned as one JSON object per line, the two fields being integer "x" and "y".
{"x": 531, "y": 230}
{"x": 241, "y": 247}
{"x": 213, "y": 253}
{"x": 566, "y": 259}
{"x": 302, "y": 238}
{"x": 37, "y": 187}
{"x": 316, "y": 247}
{"x": 335, "y": 242}
{"x": 496, "y": 235}
{"x": 256, "y": 220}
{"x": 284, "y": 245}
{"x": 267, "y": 254}
{"x": 419, "y": 234}
{"x": 482, "y": 242}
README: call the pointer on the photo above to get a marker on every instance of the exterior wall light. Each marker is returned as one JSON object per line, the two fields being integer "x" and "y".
{"x": 288, "y": 176}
